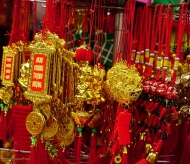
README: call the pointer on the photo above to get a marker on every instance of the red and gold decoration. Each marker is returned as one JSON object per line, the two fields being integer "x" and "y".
{"x": 66, "y": 107}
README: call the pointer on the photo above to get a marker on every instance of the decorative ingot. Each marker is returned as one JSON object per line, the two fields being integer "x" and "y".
{"x": 35, "y": 123}
{"x": 96, "y": 120}
{"x": 82, "y": 117}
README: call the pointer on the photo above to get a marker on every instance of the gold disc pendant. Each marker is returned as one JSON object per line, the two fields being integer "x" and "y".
{"x": 35, "y": 123}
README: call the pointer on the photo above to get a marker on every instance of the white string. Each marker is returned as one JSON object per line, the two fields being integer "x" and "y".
{"x": 17, "y": 151}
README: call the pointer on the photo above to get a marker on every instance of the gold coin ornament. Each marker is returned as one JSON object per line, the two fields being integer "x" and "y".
{"x": 118, "y": 159}
{"x": 51, "y": 130}
{"x": 35, "y": 123}
{"x": 67, "y": 141}
{"x": 124, "y": 83}
{"x": 69, "y": 127}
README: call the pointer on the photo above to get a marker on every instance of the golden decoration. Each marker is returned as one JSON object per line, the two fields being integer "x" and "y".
{"x": 69, "y": 127}
{"x": 118, "y": 159}
{"x": 96, "y": 120}
{"x": 35, "y": 123}
{"x": 152, "y": 156}
{"x": 46, "y": 50}
{"x": 89, "y": 83}
{"x": 82, "y": 117}
{"x": 124, "y": 83}
{"x": 6, "y": 93}
{"x": 67, "y": 141}
{"x": 45, "y": 110}
{"x": 24, "y": 75}
{"x": 8, "y": 52}
{"x": 51, "y": 130}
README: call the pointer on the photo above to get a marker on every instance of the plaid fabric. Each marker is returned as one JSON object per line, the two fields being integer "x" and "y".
{"x": 106, "y": 53}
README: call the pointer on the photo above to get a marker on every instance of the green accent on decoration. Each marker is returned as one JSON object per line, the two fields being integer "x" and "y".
{"x": 79, "y": 129}
{"x": 47, "y": 143}
{"x": 54, "y": 150}
{"x": 11, "y": 101}
{"x": 6, "y": 108}
{"x": 42, "y": 136}
{"x": 94, "y": 130}
{"x": 33, "y": 139}
{"x": 1, "y": 105}
{"x": 49, "y": 148}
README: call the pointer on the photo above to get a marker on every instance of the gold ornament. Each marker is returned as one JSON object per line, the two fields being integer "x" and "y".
{"x": 96, "y": 120}
{"x": 8, "y": 64}
{"x": 45, "y": 110}
{"x": 67, "y": 141}
{"x": 118, "y": 159}
{"x": 6, "y": 93}
{"x": 51, "y": 130}
{"x": 24, "y": 75}
{"x": 82, "y": 117}
{"x": 35, "y": 123}
{"x": 69, "y": 127}
{"x": 89, "y": 83}
{"x": 151, "y": 158}
{"x": 124, "y": 83}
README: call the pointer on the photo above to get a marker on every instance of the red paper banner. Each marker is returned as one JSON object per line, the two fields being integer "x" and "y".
{"x": 38, "y": 73}
{"x": 8, "y": 67}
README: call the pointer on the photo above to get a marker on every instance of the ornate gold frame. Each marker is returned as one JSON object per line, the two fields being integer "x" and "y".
{"x": 43, "y": 49}
{"x": 7, "y": 52}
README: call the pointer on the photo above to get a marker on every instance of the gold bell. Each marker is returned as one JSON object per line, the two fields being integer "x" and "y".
{"x": 151, "y": 158}
{"x": 148, "y": 147}
{"x": 142, "y": 136}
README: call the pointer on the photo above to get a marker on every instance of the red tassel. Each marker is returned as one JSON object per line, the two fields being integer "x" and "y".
{"x": 33, "y": 155}
{"x": 3, "y": 125}
{"x": 142, "y": 161}
{"x": 93, "y": 144}
{"x": 78, "y": 146}
{"x": 41, "y": 152}
{"x": 139, "y": 148}
{"x": 159, "y": 146}
{"x": 185, "y": 157}
{"x": 115, "y": 146}
{"x": 125, "y": 156}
